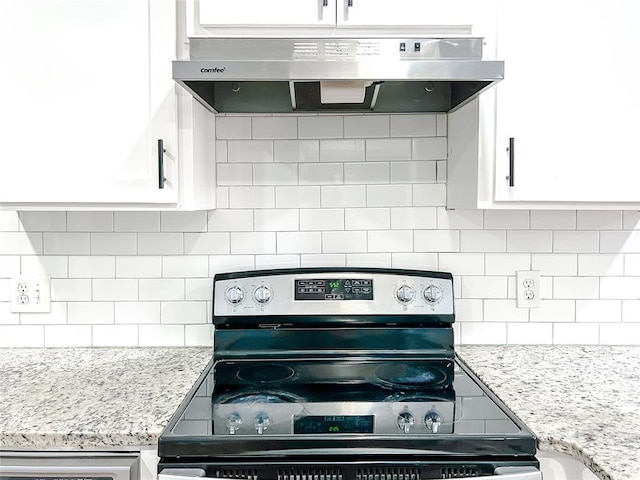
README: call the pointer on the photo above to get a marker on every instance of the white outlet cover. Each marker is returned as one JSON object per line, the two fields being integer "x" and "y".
{"x": 30, "y": 294}
{"x": 528, "y": 288}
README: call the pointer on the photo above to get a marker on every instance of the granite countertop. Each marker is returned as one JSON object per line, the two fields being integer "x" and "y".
{"x": 579, "y": 400}
{"x": 77, "y": 398}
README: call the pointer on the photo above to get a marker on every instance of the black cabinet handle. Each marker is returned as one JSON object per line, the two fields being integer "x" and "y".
{"x": 512, "y": 162}
{"x": 161, "y": 151}
{"x": 349, "y": 3}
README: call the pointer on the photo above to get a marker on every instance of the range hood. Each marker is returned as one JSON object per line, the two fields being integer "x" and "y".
{"x": 384, "y": 75}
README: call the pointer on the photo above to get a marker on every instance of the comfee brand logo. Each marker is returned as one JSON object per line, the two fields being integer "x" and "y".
{"x": 213, "y": 70}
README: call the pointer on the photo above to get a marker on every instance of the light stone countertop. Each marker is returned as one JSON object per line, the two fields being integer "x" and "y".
{"x": 580, "y": 400}
{"x": 583, "y": 401}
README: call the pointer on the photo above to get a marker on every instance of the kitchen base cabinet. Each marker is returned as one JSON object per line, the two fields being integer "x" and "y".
{"x": 566, "y": 102}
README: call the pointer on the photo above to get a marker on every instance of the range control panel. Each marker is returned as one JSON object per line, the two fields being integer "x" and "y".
{"x": 334, "y": 293}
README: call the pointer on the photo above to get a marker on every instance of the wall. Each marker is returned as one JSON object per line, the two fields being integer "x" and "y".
{"x": 322, "y": 190}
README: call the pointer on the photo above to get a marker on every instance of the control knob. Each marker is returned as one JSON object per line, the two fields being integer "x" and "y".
{"x": 234, "y": 295}
{"x": 433, "y": 294}
{"x": 433, "y": 420}
{"x": 405, "y": 293}
{"x": 262, "y": 294}
{"x": 261, "y": 422}
{"x": 405, "y": 421}
{"x": 233, "y": 423}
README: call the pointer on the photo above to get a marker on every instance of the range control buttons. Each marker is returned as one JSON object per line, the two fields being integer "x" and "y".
{"x": 234, "y": 295}
{"x": 432, "y": 294}
{"x": 405, "y": 293}
{"x": 262, "y": 294}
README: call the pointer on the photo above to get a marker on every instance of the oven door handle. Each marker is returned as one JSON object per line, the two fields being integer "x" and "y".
{"x": 517, "y": 473}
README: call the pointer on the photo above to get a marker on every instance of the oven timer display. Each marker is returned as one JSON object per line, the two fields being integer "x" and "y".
{"x": 332, "y": 289}
{"x": 333, "y": 424}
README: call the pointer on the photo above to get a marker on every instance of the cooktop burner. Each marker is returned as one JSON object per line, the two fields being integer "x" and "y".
{"x": 265, "y": 373}
{"x": 411, "y": 375}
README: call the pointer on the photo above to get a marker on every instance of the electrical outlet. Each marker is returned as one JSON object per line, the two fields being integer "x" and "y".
{"x": 30, "y": 294}
{"x": 528, "y": 288}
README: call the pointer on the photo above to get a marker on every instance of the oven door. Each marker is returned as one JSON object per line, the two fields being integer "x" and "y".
{"x": 500, "y": 473}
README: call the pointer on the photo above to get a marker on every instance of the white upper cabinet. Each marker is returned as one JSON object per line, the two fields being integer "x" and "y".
{"x": 295, "y": 17}
{"x": 569, "y": 102}
{"x": 86, "y": 93}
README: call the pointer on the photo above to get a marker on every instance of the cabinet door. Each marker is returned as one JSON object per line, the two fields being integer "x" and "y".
{"x": 259, "y": 13}
{"x": 569, "y": 101}
{"x": 423, "y": 13}
{"x": 77, "y": 105}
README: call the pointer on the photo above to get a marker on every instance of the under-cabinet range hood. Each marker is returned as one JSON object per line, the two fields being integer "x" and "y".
{"x": 385, "y": 75}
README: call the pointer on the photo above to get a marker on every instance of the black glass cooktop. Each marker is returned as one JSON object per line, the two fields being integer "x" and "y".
{"x": 479, "y": 423}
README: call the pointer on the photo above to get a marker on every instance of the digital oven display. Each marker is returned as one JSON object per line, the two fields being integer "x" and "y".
{"x": 333, "y": 424}
{"x": 334, "y": 289}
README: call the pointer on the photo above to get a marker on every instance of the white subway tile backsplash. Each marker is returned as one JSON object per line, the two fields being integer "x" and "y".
{"x": 529, "y": 241}
{"x": 233, "y": 127}
{"x": 183, "y": 312}
{"x": 333, "y": 196}
{"x": 620, "y": 287}
{"x": 253, "y": 243}
{"x": 322, "y": 126}
{"x": 504, "y": 311}
{"x": 222, "y": 152}
{"x": 323, "y": 260}
{"x": 275, "y": 174}
{"x": 109, "y": 289}
{"x": 55, "y": 266}
{"x": 483, "y": 241}
{"x": 583, "y": 288}
{"x": 206, "y": 243}
{"x": 348, "y": 150}
{"x": 161, "y": 335}
{"x": 184, "y": 266}
{"x": 276, "y": 220}
{"x": 620, "y": 242}
{"x": 249, "y": 151}
{"x": 17, "y": 336}
{"x": 554, "y": 311}
{"x": 506, "y": 263}
{"x": 236, "y": 220}
{"x": 422, "y": 171}
{"x": 234, "y": 174}
{"x": 620, "y": 333}
{"x": 183, "y": 221}
{"x": 441, "y": 124}
{"x": 57, "y": 316}
{"x": 230, "y": 263}
{"x": 436, "y": 241}
{"x": 388, "y": 196}
{"x": 113, "y": 243}
{"x": 9, "y": 266}
{"x": 380, "y": 260}
{"x": 459, "y": 219}
{"x": 277, "y": 261}
{"x": 115, "y": 336}
{"x": 5, "y": 285}
{"x": 529, "y": 333}
{"x": 433, "y": 148}
{"x": 469, "y": 310}
{"x": 67, "y": 335}
{"x": 387, "y": 149}
{"x": 506, "y": 219}
{"x": 414, "y": 125}
{"x": 484, "y": 287}
{"x": 43, "y": 221}
{"x": 160, "y": 243}
{"x": 252, "y": 197}
{"x": 557, "y": 264}
{"x": 319, "y": 219}
{"x": 321, "y": 174}
{"x": 631, "y": 310}
{"x": 599, "y": 220}
{"x": 90, "y": 312}
{"x": 367, "y": 218}
{"x": 552, "y": 220}
{"x": 630, "y": 219}
{"x": 198, "y": 335}
{"x": 390, "y": 241}
{"x": 70, "y": 290}
{"x": 420, "y": 261}
{"x": 137, "y": 312}
{"x": 199, "y": 288}
{"x": 600, "y": 265}
{"x": 296, "y": 151}
{"x": 92, "y": 267}
{"x": 21, "y": 243}
{"x": 481, "y": 333}
{"x": 344, "y": 242}
{"x": 9, "y": 221}
{"x": 441, "y": 171}
{"x": 136, "y": 221}
{"x": 138, "y": 267}
{"x": 66, "y": 243}
{"x": 598, "y": 310}
{"x": 299, "y": 242}
{"x": 157, "y": 289}
{"x": 274, "y": 127}
{"x": 366, "y": 126}
{"x": 298, "y": 197}
{"x": 575, "y": 242}
{"x": 366, "y": 173}
{"x": 413, "y": 218}
{"x": 576, "y": 333}
{"x": 462, "y": 263}
{"x": 429, "y": 195}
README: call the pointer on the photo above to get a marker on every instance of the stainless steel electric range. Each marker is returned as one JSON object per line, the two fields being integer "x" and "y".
{"x": 340, "y": 374}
